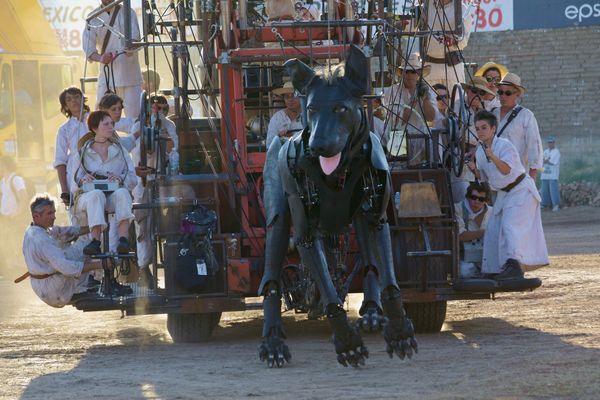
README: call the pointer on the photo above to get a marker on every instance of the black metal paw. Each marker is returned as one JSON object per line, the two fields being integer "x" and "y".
{"x": 274, "y": 351}
{"x": 399, "y": 335}
{"x": 348, "y": 344}
{"x": 372, "y": 320}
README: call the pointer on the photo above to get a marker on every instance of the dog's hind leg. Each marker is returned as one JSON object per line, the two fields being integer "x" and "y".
{"x": 346, "y": 337}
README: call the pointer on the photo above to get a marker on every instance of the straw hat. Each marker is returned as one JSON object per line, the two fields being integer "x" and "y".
{"x": 478, "y": 82}
{"x": 287, "y": 88}
{"x": 489, "y": 65}
{"x": 512, "y": 80}
{"x": 414, "y": 63}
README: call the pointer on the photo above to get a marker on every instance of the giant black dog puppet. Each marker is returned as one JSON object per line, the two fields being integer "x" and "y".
{"x": 325, "y": 178}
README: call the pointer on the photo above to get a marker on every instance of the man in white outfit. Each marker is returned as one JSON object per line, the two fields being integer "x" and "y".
{"x": 518, "y": 124}
{"x": 59, "y": 276}
{"x": 514, "y": 234}
{"x": 550, "y": 189}
{"x": 124, "y": 74}
{"x": 286, "y": 122}
{"x": 444, "y": 49}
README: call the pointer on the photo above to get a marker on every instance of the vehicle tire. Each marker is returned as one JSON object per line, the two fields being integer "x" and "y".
{"x": 427, "y": 317}
{"x": 192, "y": 328}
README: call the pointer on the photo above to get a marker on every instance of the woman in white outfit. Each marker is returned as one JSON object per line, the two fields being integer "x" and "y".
{"x": 103, "y": 157}
{"x": 514, "y": 234}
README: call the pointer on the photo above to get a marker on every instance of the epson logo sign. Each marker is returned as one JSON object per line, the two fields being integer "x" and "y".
{"x": 583, "y": 11}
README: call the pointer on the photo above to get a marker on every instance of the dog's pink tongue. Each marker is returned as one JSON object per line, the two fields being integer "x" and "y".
{"x": 329, "y": 164}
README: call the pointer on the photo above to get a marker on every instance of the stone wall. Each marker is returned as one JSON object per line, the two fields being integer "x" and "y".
{"x": 560, "y": 68}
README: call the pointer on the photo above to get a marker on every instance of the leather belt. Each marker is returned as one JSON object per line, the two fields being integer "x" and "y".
{"x": 511, "y": 186}
{"x": 33, "y": 276}
{"x": 452, "y": 58}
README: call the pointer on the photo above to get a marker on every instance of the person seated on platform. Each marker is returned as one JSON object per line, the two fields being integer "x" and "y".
{"x": 58, "y": 272}
{"x": 514, "y": 234}
{"x": 286, "y": 122}
{"x": 102, "y": 157}
{"x": 472, "y": 215}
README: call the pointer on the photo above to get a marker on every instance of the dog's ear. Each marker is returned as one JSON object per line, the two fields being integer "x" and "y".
{"x": 301, "y": 74}
{"x": 356, "y": 71}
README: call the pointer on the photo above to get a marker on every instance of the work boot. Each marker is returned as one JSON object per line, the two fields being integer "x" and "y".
{"x": 511, "y": 270}
{"x": 146, "y": 280}
{"x": 123, "y": 246}
{"x": 92, "y": 284}
{"x": 93, "y": 248}
{"x": 116, "y": 289}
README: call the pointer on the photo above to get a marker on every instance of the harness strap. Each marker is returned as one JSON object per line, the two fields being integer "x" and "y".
{"x": 512, "y": 116}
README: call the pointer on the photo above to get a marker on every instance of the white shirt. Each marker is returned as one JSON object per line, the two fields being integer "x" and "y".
{"x": 552, "y": 169}
{"x": 44, "y": 254}
{"x": 125, "y": 124}
{"x": 167, "y": 126}
{"x": 117, "y": 163}
{"x": 280, "y": 121}
{"x": 505, "y": 151}
{"x": 442, "y": 19}
{"x": 9, "y": 187}
{"x": 490, "y": 105}
{"x": 67, "y": 137}
{"x": 395, "y": 97}
{"x": 126, "y": 67}
{"x": 471, "y": 223}
{"x": 524, "y": 133}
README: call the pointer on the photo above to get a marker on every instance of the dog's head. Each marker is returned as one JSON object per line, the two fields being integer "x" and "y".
{"x": 335, "y": 114}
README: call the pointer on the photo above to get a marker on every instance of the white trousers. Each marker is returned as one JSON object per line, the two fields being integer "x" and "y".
{"x": 514, "y": 230}
{"x": 129, "y": 94}
{"x": 95, "y": 202}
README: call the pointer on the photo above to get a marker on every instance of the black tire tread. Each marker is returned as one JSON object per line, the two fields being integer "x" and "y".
{"x": 427, "y": 317}
{"x": 192, "y": 328}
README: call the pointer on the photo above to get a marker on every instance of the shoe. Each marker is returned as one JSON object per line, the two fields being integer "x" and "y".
{"x": 146, "y": 280}
{"x": 82, "y": 296}
{"x": 511, "y": 270}
{"x": 92, "y": 284}
{"x": 116, "y": 289}
{"x": 93, "y": 248}
{"x": 123, "y": 246}
{"x": 555, "y": 208}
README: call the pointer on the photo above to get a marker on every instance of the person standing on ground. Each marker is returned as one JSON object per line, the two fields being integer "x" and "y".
{"x": 514, "y": 235}
{"x": 550, "y": 189}
{"x": 518, "y": 124}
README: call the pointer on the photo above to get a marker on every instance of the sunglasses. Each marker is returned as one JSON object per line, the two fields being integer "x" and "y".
{"x": 481, "y": 199}
{"x": 441, "y": 97}
{"x": 492, "y": 78}
{"x": 478, "y": 92}
{"x": 506, "y": 92}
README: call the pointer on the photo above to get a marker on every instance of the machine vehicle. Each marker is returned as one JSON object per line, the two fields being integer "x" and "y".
{"x": 222, "y": 157}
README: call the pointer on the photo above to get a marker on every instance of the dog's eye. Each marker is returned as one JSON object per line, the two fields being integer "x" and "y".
{"x": 340, "y": 109}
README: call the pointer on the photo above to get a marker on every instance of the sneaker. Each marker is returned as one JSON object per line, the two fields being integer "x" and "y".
{"x": 511, "y": 270}
{"x": 93, "y": 248}
{"x": 92, "y": 284}
{"x": 116, "y": 289}
{"x": 555, "y": 208}
{"x": 123, "y": 246}
{"x": 146, "y": 280}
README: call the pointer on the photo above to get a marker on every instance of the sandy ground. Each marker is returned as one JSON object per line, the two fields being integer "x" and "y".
{"x": 536, "y": 345}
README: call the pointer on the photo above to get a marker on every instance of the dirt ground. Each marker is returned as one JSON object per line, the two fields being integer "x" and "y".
{"x": 536, "y": 345}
